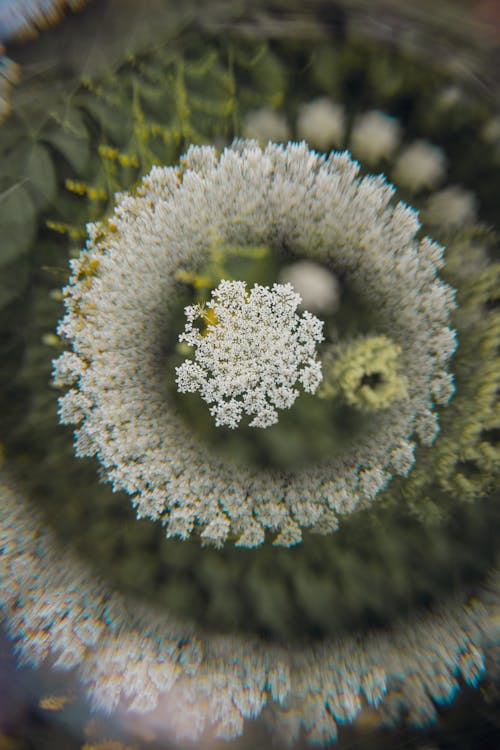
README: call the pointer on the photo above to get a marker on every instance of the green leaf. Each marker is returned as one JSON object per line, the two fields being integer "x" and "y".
{"x": 40, "y": 175}
{"x": 17, "y": 225}
{"x": 112, "y": 124}
{"x": 269, "y": 75}
{"x": 70, "y": 137}
{"x": 13, "y": 280}
{"x": 327, "y": 68}
{"x": 29, "y": 163}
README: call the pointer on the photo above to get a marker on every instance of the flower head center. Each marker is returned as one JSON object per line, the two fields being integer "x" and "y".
{"x": 253, "y": 353}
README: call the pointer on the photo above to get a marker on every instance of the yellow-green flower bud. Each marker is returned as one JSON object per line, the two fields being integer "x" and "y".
{"x": 365, "y": 374}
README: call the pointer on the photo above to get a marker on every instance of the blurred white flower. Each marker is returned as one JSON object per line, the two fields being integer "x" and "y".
{"x": 266, "y": 124}
{"x": 322, "y": 124}
{"x": 490, "y": 132}
{"x": 419, "y": 166}
{"x": 374, "y": 136}
{"x": 451, "y": 208}
{"x": 318, "y": 287}
{"x": 146, "y": 666}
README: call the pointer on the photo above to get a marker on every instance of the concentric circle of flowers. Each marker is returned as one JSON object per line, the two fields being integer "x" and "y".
{"x": 119, "y": 306}
{"x": 251, "y": 358}
{"x": 134, "y": 659}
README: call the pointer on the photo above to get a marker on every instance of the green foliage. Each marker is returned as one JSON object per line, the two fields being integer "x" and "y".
{"x": 151, "y": 108}
{"x": 69, "y": 136}
{"x": 62, "y": 166}
{"x": 17, "y": 219}
{"x": 464, "y": 462}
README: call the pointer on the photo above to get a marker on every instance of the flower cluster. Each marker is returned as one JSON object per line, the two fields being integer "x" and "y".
{"x": 366, "y": 374}
{"x": 250, "y": 359}
{"x": 265, "y": 124}
{"x": 322, "y": 124}
{"x": 376, "y": 137}
{"x": 119, "y": 304}
{"x": 131, "y": 658}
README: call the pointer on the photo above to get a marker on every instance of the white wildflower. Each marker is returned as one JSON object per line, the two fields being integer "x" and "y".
{"x": 419, "y": 166}
{"x": 490, "y": 132}
{"x": 318, "y": 287}
{"x": 374, "y": 136}
{"x": 266, "y": 124}
{"x": 251, "y": 358}
{"x": 120, "y": 303}
{"x": 134, "y": 659}
{"x": 451, "y": 208}
{"x": 322, "y": 124}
